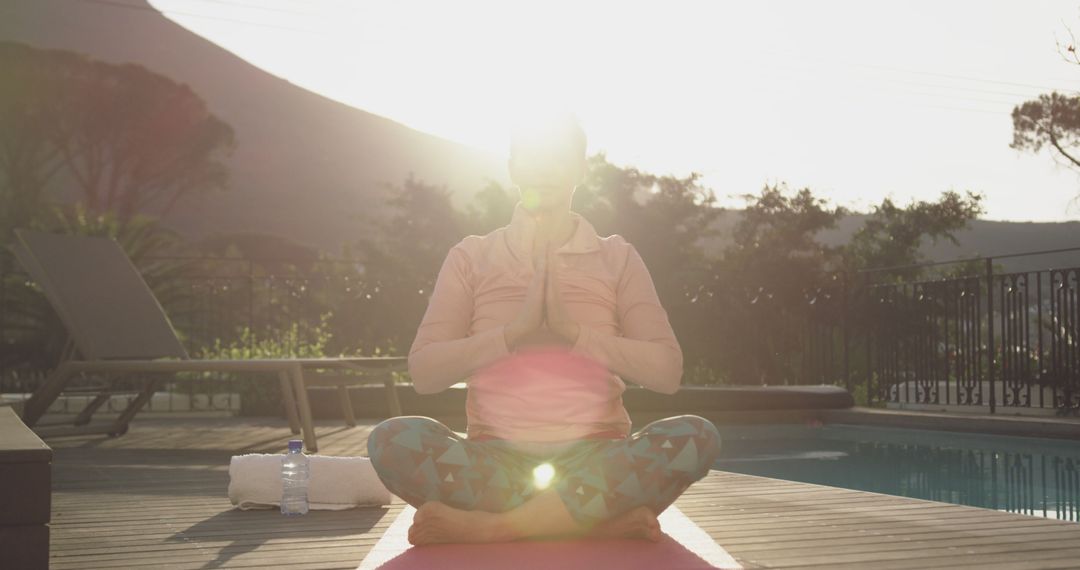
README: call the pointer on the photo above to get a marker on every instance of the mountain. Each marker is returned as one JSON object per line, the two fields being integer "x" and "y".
{"x": 304, "y": 167}
{"x": 985, "y": 238}
{"x": 982, "y": 238}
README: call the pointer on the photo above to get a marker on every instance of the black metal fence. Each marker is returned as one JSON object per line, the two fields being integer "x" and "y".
{"x": 992, "y": 339}
{"x": 966, "y": 334}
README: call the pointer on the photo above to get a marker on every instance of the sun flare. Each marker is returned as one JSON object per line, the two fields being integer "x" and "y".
{"x": 542, "y": 475}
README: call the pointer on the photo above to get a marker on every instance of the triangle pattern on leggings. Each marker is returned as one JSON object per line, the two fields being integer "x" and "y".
{"x": 595, "y": 507}
{"x": 429, "y": 476}
{"x": 630, "y": 486}
{"x": 408, "y": 439}
{"x": 454, "y": 455}
{"x": 687, "y": 459}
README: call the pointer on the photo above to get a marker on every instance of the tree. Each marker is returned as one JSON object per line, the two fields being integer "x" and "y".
{"x": 1052, "y": 120}
{"x": 128, "y": 139}
{"x": 891, "y": 236}
{"x": 666, "y": 218}
{"x": 27, "y": 159}
{"x": 763, "y": 287}
{"x": 415, "y": 233}
{"x": 492, "y": 208}
{"x": 402, "y": 250}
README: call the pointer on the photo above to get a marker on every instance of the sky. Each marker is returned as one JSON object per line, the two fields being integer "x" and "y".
{"x": 856, "y": 100}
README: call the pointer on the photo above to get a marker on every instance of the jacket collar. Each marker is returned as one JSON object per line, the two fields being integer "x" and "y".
{"x": 522, "y": 230}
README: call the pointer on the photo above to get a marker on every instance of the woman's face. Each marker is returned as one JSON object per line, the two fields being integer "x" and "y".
{"x": 546, "y": 177}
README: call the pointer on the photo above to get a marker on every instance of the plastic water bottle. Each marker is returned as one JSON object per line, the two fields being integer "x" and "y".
{"x": 294, "y": 480}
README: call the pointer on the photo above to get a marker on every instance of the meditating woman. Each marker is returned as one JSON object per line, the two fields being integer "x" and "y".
{"x": 544, "y": 319}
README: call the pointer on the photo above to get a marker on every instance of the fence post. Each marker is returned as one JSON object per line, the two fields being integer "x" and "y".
{"x": 250, "y": 322}
{"x": 990, "y": 331}
{"x": 844, "y": 327}
{"x": 867, "y": 338}
{"x": 3, "y": 320}
{"x": 251, "y": 306}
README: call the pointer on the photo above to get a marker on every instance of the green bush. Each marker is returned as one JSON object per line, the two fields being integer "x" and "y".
{"x": 259, "y": 392}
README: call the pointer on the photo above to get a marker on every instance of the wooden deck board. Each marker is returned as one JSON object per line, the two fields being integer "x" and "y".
{"x": 156, "y": 497}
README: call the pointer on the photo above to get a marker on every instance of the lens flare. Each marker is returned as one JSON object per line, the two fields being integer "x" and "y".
{"x": 542, "y": 475}
{"x": 530, "y": 199}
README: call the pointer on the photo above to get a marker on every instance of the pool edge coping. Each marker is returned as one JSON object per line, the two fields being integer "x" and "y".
{"x": 1023, "y": 426}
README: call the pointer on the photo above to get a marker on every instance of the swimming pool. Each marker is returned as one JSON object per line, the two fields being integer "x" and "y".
{"x": 1032, "y": 476}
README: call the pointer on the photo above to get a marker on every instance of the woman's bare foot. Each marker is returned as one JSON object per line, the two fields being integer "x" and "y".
{"x": 636, "y": 523}
{"x": 436, "y": 522}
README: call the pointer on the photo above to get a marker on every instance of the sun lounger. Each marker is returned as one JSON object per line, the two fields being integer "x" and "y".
{"x": 117, "y": 327}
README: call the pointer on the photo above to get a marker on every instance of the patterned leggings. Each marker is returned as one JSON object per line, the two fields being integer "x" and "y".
{"x": 419, "y": 459}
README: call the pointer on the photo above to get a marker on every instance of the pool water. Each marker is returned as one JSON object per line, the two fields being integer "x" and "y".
{"x": 1032, "y": 476}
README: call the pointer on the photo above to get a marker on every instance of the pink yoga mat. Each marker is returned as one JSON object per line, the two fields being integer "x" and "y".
{"x": 684, "y": 545}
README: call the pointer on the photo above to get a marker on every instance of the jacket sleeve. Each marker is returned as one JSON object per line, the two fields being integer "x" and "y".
{"x": 443, "y": 352}
{"x": 647, "y": 352}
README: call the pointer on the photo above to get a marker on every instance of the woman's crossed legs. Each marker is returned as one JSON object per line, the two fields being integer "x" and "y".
{"x": 484, "y": 491}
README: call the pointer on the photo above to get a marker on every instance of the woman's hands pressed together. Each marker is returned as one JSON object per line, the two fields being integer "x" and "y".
{"x": 531, "y": 315}
{"x": 555, "y": 314}
{"x": 543, "y": 307}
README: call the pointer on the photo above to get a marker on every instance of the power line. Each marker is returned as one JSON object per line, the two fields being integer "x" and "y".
{"x": 946, "y": 95}
{"x": 894, "y": 69}
{"x": 119, "y": 4}
{"x": 941, "y": 90}
{"x": 1026, "y": 93}
{"x": 964, "y": 78}
{"x": 253, "y": 6}
{"x": 869, "y": 85}
{"x": 962, "y": 88}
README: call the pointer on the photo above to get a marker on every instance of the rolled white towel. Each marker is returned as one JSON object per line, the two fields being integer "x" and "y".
{"x": 334, "y": 483}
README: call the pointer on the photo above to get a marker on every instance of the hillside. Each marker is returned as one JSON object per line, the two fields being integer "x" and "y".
{"x": 993, "y": 238}
{"x": 982, "y": 238}
{"x": 304, "y": 166}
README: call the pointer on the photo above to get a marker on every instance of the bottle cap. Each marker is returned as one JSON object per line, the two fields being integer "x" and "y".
{"x": 296, "y": 445}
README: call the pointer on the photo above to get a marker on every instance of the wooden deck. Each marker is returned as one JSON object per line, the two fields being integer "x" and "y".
{"x": 156, "y": 498}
